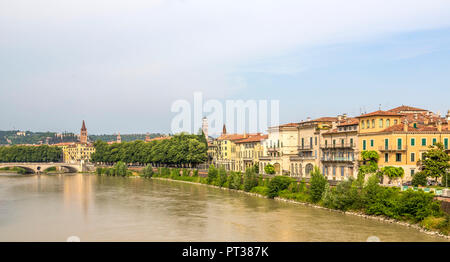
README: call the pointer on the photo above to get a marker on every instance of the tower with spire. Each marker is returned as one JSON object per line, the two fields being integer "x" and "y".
{"x": 224, "y": 130}
{"x": 83, "y": 134}
{"x": 119, "y": 138}
{"x": 205, "y": 127}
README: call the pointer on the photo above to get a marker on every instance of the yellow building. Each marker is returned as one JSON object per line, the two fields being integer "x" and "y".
{"x": 76, "y": 152}
{"x": 401, "y": 136}
{"x": 249, "y": 150}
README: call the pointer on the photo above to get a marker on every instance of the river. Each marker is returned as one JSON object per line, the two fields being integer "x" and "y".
{"x": 93, "y": 208}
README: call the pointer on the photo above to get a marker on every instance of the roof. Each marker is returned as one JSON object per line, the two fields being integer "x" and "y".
{"x": 159, "y": 138}
{"x": 251, "y": 139}
{"x": 411, "y": 128}
{"x": 380, "y": 113}
{"x": 83, "y": 127}
{"x": 348, "y": 122}
{"x": 404, "y": 108}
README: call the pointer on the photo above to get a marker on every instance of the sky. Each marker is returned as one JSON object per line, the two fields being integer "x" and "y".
{"x": 120, "y": 65}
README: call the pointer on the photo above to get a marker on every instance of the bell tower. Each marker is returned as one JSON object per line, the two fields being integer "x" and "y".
{"x": 83, "y": 134}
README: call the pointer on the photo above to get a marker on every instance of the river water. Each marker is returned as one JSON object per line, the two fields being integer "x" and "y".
{"x": 93, "y": 208}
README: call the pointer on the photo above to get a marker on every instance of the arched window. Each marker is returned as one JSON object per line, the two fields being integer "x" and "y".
{"x": 368, "y": 124}
{"x": 308, "y": 169}
{"x": 381, "y": 123}
{"x": 373, "y": 123}
{"x": 388, "y": 122}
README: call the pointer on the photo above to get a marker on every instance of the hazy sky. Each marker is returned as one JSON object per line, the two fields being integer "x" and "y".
{"x": 120, "y": 64}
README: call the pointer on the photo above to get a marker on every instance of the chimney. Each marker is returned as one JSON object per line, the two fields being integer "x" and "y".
{"x": 344, "y": 116}
{"x": 405, "y": 125}
{"x": 439, "y": 125}
{"x": 339, "y": 117}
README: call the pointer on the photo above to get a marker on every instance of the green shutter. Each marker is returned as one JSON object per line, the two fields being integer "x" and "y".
{"x": 424, "y": 141}
{"x": 413, "y": 142}
{"x": 371, "y": 143}
{"x": 386, "y": 144}
{"x": 434, "y": 141}
{"x": 445, "y": 143}
{"x": 364, "y": 144}
{"x": 399, "y": 143}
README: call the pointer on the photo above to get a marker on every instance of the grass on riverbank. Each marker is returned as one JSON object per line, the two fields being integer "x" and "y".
{"x": 17, "y": 170}
{"x": 369, "y": 198}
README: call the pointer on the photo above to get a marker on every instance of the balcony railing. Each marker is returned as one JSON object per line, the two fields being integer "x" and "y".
{"x": 293, "y": 158}
{"x": 391, "y": 148}
{"x": 338, "y": 159}
{"x": 305, "y": 147}
{"x": 338, "y": 146}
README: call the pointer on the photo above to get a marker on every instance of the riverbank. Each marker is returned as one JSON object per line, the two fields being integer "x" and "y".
{"x": 353, "y": 213}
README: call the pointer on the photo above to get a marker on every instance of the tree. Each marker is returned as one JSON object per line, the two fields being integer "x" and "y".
{"x": 369, "y": 163}
{"x": 250, "y": 179}
{"x": 419, "y": 179}
{"x": 435, "y": 162}
{"x": 269, "y": 169}
{"x": 147, "y": 171}
{"x": 222, "y": 177}
{"x": 392, "y": 172}
{"x": 212, "y": 174}
{"x": 317, "y": 184}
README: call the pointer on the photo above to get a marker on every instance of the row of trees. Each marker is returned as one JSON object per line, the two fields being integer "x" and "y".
{"x": 42, "y": 153}
{"x": 180, "y": 150}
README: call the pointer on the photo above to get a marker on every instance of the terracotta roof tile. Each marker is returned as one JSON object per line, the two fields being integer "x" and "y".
{"x": 380, "y": 113}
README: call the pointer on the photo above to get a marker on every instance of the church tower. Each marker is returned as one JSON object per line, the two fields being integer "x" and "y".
{"x": 83, "y": 134}
{"x": 224, "y": 130}
{"x": 119, "y": 138}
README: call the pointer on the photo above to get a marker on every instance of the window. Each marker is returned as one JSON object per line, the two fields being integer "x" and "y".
{"x": 315, "y": 140}
{"x": 351, "y": 141}
{"x": 342, "y": 171}
{"x": 395, "y": 121}
{"x": 342, "y": 141}
{"x": 362, "y": 124}
{"x": 399, "y": 143}
{"x": 386, "y": 157}
{"x": 398, "y": 157}
{"x": 445, "y": 143}
{"x": 373, "y": 123}
{"x": 386, "y": 144}
{"x": 371, "y": 142}
{"x": 434, "y": 141}
{"x": 381, "y": 123}
{"x": 413, "y": 157}
{"x": 412, "y": 172}
{"x": 364, "y": 144}
{"x": 413, "y": 141}
{"x": 334, "y": 171}
{"x": 388, "y": 122}
{"x": 424, "y": 141}
{"x": 368, "y": 124}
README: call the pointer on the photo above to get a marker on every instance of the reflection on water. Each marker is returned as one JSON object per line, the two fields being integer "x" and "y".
{"x": 55, "y": 207}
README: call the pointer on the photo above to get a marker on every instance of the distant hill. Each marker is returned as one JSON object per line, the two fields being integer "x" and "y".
{"x": 15, "y": 137}
{"x": 125, "y": 137}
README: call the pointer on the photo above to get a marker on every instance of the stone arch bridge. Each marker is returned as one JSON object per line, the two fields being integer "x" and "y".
{"x": 40, "y": 167}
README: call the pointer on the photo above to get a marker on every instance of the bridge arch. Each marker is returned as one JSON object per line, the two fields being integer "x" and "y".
{"x": 28, "y": 169}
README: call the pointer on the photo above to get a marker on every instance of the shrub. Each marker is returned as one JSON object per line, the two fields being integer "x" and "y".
{"x": 185, "y": 172}
{"x": 419, "y": 179}
{"x": 235, "y": 180}
{"x": 269, "y": 169}
{"x": 222, "y": 177}
{"x": 98, "y": 170}
{"x": 343, "y": 197}
{"x": 212, "y": 174}
{"x": 417, "y": 205}
{"x": 195, "y": 173}
{"x": 317, "y": 185}
{"x": 147, "y": 171}
{"x": 250, "y": 179}
{"x": 278, "y": 184}
{"x": 261, "y": 190}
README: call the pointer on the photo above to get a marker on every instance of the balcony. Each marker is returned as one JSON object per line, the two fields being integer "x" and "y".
{"x": 391, "y": 148}
{"x": 338, "y": 146}
{"x": 337, "y": 159}
{"x": 299, "y": 158}
{"x": 307, "y": 147}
